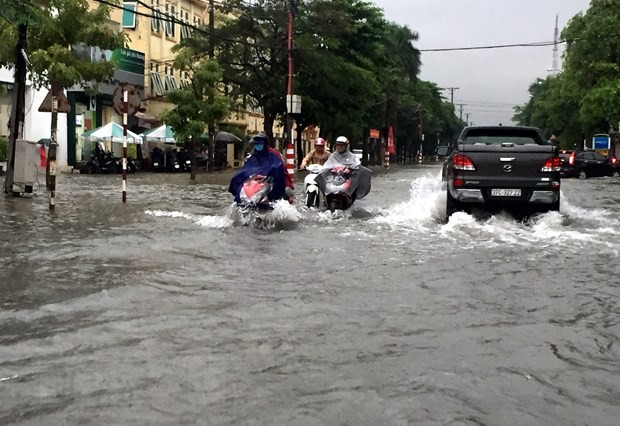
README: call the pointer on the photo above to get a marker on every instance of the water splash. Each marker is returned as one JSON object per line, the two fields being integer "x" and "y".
{"x": 215, "y": 222}
{"x": 173, "y": 214}
{"x": 426, "y": 205}
{"x": 283, "y": 216}
{"x": 425, "y": 211}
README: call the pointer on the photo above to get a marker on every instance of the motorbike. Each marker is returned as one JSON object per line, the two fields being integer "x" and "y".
{"x": 172, "y": 163}
{"x": 343, "y": 185}
{"x": 102, "y": 163}
{"x": 184, "y": 161}
{"x": 254, "y": 193}
{"x": 311, "y": 190}
{"x": 157, "y": 157}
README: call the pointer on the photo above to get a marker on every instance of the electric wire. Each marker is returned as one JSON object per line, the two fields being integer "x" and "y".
{"x": 157, "y": 14}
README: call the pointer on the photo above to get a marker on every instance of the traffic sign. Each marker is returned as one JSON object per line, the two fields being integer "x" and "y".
{"x": 133, "y": 99}
{"x": 601, "y": 141}
{"x": 63, "y": 102}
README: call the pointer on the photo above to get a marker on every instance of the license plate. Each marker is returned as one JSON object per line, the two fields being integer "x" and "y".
{"x": 505, "y": 192}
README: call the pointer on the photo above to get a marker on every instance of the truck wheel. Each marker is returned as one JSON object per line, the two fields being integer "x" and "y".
{"x": 452, "y": 206}
{"x": 582, "y": 174}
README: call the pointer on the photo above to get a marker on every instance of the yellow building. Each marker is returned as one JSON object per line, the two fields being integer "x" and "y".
{"x": 147, "y": 64}
{"x": 155, "y": 36}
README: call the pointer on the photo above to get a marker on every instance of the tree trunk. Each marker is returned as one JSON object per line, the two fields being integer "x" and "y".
{"x": 192, "y": 157}
{"x": 300, "y": 150}
{"x": 268, "y": 127}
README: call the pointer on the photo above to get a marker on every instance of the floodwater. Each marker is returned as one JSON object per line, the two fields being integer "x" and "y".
{"x": 168, "y": 310}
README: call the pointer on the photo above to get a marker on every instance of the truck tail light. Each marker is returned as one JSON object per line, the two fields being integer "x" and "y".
{"x": 571, "y": 159}
{"x": 552, "y": 164}
{"x": 463, "y": 162}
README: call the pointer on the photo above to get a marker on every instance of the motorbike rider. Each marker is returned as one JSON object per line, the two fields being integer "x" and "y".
{"x": 342, "y": 156}
{"x": 264, "y": 157}
{"x": 319, "y": 155}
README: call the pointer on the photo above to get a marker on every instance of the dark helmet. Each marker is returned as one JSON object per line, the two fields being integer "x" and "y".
{"x": 260, "y": 138}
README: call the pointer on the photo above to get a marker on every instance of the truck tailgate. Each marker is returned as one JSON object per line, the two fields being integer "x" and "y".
{"x": 506, "y": 165}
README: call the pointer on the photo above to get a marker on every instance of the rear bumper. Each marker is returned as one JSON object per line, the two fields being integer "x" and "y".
{"x": 470, "y": 195}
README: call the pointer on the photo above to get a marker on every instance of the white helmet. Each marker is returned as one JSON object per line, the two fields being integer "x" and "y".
{"x": 342, "y": 139}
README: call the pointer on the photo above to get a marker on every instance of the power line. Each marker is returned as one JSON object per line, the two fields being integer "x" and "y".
{"x": 168, "y": 18}
{"x": 485, "y": 103}
{"x": 496, "y": 46}
{"x": 530, "y": 44}
{"x": 162, "y": 16}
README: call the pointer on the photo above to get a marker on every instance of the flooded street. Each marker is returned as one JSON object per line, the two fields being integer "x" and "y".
{"x": 168, "y": 311}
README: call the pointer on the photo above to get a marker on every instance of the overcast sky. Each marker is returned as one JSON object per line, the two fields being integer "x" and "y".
{"x": 489, "y": 81}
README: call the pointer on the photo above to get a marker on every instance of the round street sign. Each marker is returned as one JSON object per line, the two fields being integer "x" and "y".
{"x": 133, "y": 99}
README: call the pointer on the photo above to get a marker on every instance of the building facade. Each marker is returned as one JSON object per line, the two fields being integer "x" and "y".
{"x": 146, "y": 63}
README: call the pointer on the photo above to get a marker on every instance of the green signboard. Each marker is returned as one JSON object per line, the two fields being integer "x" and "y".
{"x": 129, "y": 60}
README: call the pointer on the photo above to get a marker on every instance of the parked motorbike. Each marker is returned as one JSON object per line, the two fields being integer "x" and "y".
{"x": 185, "y": 163}
{"x": 157, "y": 158}
{"x": 343, "y": 185}
{"x": 102, "y": 163}
{"x": 312, "y": 192}
{"x": 172, "y": 162}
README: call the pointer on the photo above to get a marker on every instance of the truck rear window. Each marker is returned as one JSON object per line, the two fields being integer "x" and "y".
{"x": 500, "y": 136}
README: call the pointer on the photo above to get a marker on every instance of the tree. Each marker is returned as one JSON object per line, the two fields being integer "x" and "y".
{"x": 252, "y": 50}
{"x": 583, "y": 99}
{"x": 197, "y": 104}
{"x": 55, "y": 29}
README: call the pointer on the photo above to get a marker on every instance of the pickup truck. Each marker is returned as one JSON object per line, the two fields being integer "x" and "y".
{"x": 502, "y": 167}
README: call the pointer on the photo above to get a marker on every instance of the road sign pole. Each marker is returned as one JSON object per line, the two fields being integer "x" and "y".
{"x": 125, "y": 109}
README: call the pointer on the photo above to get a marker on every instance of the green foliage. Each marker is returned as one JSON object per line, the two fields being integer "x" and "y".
{"x": 352, "y": 67}
{"x": 584, "y": 98}
{"x": 54, "y": 27}
{"x": 199, "y": 103}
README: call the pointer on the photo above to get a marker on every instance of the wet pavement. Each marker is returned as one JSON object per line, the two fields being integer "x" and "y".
{"x": 168, "y": 310}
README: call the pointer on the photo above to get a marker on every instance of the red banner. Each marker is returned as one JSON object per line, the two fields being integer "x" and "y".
{"x": 391, "y": 140}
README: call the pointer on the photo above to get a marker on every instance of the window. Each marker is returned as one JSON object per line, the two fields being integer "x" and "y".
{"x": 186, "y": 32}
{"x": 171, "y": 83}
{"x": 129, "y": 16}
{"x": 170, "y": 21}
{"x": 156, "y": 24}
{"x": 157, "y": 85}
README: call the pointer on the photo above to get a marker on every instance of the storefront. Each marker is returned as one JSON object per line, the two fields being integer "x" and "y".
{"x": 90, "y": 110}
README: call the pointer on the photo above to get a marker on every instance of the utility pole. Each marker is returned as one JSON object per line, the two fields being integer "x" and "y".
{"x": 461, "y": 111}
{"x": 211, "y": 124}
{"x": 451, "y": 89}
{"x": 421, "y": 133}
{"x": 467, "y": 119}
{"x": 19, "y": 105}
{"x": 51, "y": 171}
{"x": 290, "y": 148}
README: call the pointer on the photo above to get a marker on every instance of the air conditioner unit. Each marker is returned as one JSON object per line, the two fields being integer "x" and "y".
{"x": 25, "y": 173}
